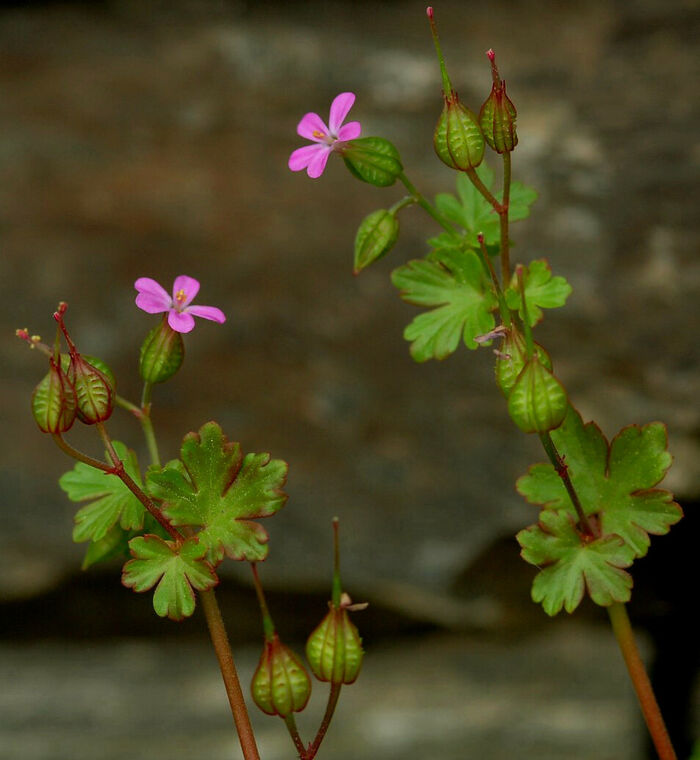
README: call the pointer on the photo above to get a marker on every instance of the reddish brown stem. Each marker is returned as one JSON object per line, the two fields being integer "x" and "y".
{"x": 647, "y": 701}
{"x": 224, "y": 655}
{"x": 325, "y": 723}
{"x": 128, "y": 481}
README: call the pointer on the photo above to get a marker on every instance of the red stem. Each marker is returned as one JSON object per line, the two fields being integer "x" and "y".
{"x": 647, "y": 701}
{"x": 224, "y": 655}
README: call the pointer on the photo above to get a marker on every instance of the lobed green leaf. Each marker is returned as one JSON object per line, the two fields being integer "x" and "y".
{"x": 542, "y": 291}
{"x": 175, "y": 571}
{"x": 111, "y": 501}
{"x": 571, "y": 565}
{"x": 457, "y": 286}
{"x": 616, "y": 481}
{"x": 215, "y": 488}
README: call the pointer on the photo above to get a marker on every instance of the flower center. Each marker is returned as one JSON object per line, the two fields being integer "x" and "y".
{"x": 327, "y": 138}
{"x": 180, "y": 297}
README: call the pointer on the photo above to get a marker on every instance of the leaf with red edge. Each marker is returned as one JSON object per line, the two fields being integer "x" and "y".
{"x": 218, "y": 490}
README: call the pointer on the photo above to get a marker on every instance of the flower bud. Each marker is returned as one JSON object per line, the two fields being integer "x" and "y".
{"x": 375, "y": 237}
{"x": 334, "y": 649}
{"x": 162, "y": 353}
{"x": 280, "y": 684}
{"x": 458, "y": 140}
{"x": 93, "y": 381}
{"x": 373, "y": 160}
{"x": 53, "y": 401}
{"x": 537, "y": 402}
{"x": 497, "y": 115}
{"x": 512, "y": 357}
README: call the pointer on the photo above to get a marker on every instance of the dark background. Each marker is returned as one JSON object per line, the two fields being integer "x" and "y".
{"x": 151, "y": 139}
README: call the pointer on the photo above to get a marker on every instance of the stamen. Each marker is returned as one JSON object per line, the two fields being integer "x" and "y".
{"x": 180, "y": 296}
{"x": 318, "y": 133}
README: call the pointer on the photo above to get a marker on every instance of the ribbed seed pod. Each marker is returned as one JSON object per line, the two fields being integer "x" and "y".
{"x": 53, "y": 401}
{"x": 497, "y": 115}
{"x": 512, "y": 359}
{"x": 458, "y": 140}
{"x": 93, "y": 381}
{"x": 280, "y": 683}
{"x": 334, "y": 649}
{"x": 537, "y": 402}
{"x": 162, "y": 353}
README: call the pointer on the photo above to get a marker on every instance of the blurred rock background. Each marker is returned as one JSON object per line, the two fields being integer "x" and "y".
{"x": 151, "y": 139}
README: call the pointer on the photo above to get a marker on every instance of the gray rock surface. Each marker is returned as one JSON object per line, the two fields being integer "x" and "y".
{"x": 152, "y": 140}
{"x": 554, "y": 696}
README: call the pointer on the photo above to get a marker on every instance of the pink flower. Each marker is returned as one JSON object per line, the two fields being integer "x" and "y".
{"x": 313, "y": 158}
{"x": 154, "y": 299}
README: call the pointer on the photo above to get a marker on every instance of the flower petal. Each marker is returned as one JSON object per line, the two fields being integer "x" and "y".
{"x": 339, "y": 110}
{"x": 152, "y": 297}
{"x": 302, "y": 157}
{"x": 207, "y": 312}
{"x": 318, "y": 162}
{"x": 180, "y": 321}
{"x": 190, "y": 288}
{"x": 310, "y": 123}
{"x": 350, "y": 131}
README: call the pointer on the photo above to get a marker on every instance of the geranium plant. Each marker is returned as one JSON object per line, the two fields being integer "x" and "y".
{"x": 173, "y": 524}
{"x": 599, "y": 501}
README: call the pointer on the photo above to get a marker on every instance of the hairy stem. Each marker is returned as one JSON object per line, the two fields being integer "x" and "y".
{"x": 650, "y": 709}
{"x": 224, "y": 655}
{"x": 333, "y": 696}
{"x": 143, "y": 415}
{"x": 75, "y": 454}
{"x": 563, "y": 471}
{"x": 291, "y": 724}
{"x": 503, "y": 219}
{"x": 123, "y": 475}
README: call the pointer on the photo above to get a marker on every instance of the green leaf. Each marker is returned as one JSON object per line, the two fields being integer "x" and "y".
{"x": 214, "y": 487}
{"x": 541, "y": 290}
{"x": 112, "y": 500}
{"x": 472, "y": 212}
{"x": 573, "y": 565}
{"x": 456, "y": 285}
{"x": 616, "y": 482}
{"x": 174, "y": 570}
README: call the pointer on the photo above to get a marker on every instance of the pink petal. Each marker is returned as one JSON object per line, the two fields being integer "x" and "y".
{"x": 152, "y": 298}
{"x": 180, "y": 321}
{"x": 318, "y": 162}
{"x": 350, "y": 131}
{"x": 189, "y": 286}
{"x": 208, "y": 312}
{"x": 302, "y": 157}
{"x": 339, "y": 110}
{"x": 310, "y": 123}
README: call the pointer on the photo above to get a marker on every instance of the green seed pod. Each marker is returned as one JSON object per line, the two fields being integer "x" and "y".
{"x": 497, "y": 115}
{"x": 458, "y": 140}
{"x": 280, "y": 684}
{"x": 334, "y": 649}
{"x": 94, "y": 388}
{"x": 537, "y": 402}
{"x": 373, "y": 160}
{"x": 511, "y": 360}
{"x": 162, "y": 353}
{"x": 375, "y": 237}
{"x": 53, "y": 401}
